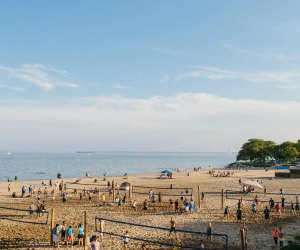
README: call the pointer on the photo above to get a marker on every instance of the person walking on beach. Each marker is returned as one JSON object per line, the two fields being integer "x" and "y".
{"x": 281, "y": 237}
{"x": 282, "y": 203}
{"x": 267, "y": 214}
{"x": 126, "y": 239}
{"x": 239, "y": 215}
{"x": 176, "y": 206}
{"x": 277, "y": 210}
{"x": 145, "y": 204}
{"x": 272, "y": 204}
{"x": 23, "y": 191}
{"x": 209, "y": 232}
{"x": 80, "y": 234}
{"x": 293, "y": 208}
{"x": 226, "y": 213}
{"x": 173, "y": 227}
{"x": 275, "y": 235}
{"x": 254, "y": 210}
{"x": 31, "y": 210}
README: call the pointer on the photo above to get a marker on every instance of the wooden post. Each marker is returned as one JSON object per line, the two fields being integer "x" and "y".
{"x": 85, "y": 238}
{"x": 52, "y": 226}
{"x": 101, "y": 228}
{"x": 129, "y": 192}
{"x": 243, "y": 239}
{"x": 199, "y": 199}
{"x": 113, "y": 189}
{"x": 222, "y": 204}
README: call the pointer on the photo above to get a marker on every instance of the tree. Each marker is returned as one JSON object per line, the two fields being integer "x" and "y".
{"x": 256, "y": 150}
{"x": 286, "y": 151}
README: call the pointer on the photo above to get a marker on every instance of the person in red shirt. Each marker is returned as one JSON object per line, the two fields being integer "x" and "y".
{"x": 277, "y": 209}
{"x": 275, "y": 235}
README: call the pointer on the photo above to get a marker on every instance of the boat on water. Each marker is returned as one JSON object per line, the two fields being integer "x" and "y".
{"x": 86, "y": 152}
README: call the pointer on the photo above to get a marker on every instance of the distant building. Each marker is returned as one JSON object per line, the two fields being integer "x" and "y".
{"x": 287, "y": 171}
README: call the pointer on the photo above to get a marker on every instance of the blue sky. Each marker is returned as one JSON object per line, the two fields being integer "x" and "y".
{"x": 148, "y": 75}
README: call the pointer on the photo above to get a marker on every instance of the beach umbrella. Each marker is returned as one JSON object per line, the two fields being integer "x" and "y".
{"x": 251, "y": 183}
{"x": 125, "y": 185}
{"x": 167, "y": 171}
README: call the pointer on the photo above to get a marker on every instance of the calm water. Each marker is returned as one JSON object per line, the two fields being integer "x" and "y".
{"x": 36, "y": 166}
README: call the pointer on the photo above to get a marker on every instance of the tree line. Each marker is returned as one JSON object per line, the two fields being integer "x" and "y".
{"x": 261, "y": 151}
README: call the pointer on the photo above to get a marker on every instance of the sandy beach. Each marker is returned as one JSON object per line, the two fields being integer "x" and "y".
{"x": 16, "y": 226}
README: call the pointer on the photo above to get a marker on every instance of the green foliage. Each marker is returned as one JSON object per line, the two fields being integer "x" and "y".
{"x": 259, "y": 151}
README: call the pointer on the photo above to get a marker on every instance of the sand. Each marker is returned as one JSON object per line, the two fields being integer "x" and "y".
{"x": 16, "y": 229}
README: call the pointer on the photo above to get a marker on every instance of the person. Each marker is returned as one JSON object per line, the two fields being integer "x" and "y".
{"x": 95, "y": 245}
{"x": 202, "y": 196}
{"x": 63, "y": 231}
{"x": 55, "y": 236}
{"x": 64, "y": 197}
{"x": 267, "y": 214}
{"x": 145, "y": 204}
{"x": 31, "y": 210}
{"x": 265, "y": 191}
{"x": 272, "y": 204}
{"x": 209, "y": 232}
{"x": 277, "y": 209}
{"x": 143, "y": 247}
{"x": 239, "y": 215}
{"x": 226, "y": 213}
{"x": 124, "y": 199}
{"x": 8, "y": 188}
{"x": 293, "y": 208}
{"x": 275, "y": 235}
{"x": 281, "y": 191}
{"x": 297, "y": 203}
{"x": 30, "y": 188}
{"x": 280, "y": 237}
{"x": 181, "y": 196}
{"x": 80, "y": 234}
{"x": 186, "y": 206}
{"x": 16, "y": 178}
{"x": 176, "y": 206}
{"x": 69, "y": 235}
{"x": 126, "y": 239}
{"x": 23, "y": 191}
{"x": 282, "y": 203}
{"x": 256, "y": 200}
{"x": 134, "y": 205}
{"x": 254, "y": 210}
{"x": 173, "y": 227}
{"x": 171, "y": 204}
{"x": 192, "y": 206}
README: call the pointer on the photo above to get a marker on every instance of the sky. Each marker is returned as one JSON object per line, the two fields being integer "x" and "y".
{"x": 201, "y": 76}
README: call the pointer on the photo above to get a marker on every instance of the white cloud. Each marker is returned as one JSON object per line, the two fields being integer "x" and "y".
{"x": 286, "y": 79}
{"x": 39, "y": 75}
{"x": 187, "y": 121}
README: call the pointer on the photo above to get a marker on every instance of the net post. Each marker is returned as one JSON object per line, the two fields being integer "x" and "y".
{"x": 222, "y": 204}
{"x": 85, "y": 241}
{"x": 199, "y": 200}
{"x": 52, "y": 226}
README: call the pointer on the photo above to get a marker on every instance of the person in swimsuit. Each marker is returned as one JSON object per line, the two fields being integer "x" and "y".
{"x": 126, "y": 239}
{"x": 63, "y": 231}
{"x": 80, "y": 234}
{"x": 226, "y": 213}
{"x": 173, "y": 227}
{"x": 69, "y": 235}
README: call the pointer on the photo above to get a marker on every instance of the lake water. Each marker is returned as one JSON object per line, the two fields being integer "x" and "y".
{"x": 37, "y": 166}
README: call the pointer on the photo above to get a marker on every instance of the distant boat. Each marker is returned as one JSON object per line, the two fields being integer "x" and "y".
{"x": 8, "y": 153}
{"x": 85, "y": 152}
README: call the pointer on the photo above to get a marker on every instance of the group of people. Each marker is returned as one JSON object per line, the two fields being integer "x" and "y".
{"x": 65, "y": 234}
